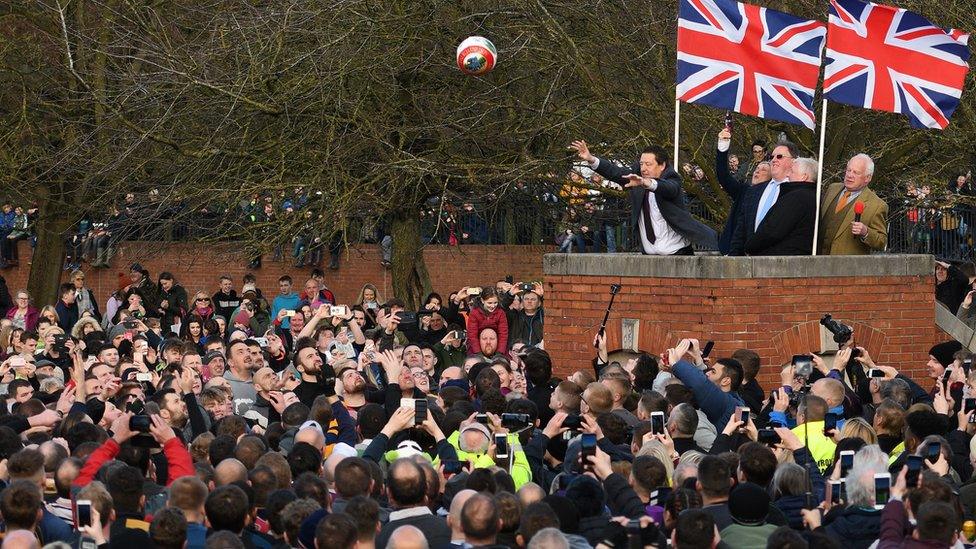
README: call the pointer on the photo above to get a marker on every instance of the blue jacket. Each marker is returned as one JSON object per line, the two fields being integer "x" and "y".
{"x": 716, "y": 403}
{"x": 745, "y": 223}
{"x": 7, "y": 220}
{"x": 288, "y": 302}
{"x": 735, "y": 189}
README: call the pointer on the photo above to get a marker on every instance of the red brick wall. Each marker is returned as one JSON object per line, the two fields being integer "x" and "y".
{"x": 197, "y": 267}
{"x": 893, "y": 316}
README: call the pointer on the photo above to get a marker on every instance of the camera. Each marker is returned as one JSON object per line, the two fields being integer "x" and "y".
{"x": 515, "y": 421}
{"x": 407, "y": 318}
{"x": 526, "y": 287}
{"x": 842, "y": 333}
{"x": 60, "y": 343}
{"x": 459, "y": 335}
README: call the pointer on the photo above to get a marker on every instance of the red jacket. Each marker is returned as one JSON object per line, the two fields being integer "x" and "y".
{"x": 478, "y": 320}
{"x": 178, "y": 458}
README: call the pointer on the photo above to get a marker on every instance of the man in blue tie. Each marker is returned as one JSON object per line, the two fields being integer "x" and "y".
{"x": 759, "y": 199}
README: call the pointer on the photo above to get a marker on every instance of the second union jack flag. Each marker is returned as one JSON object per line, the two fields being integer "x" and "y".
{"x": 890, "y": 59}
{"x": 749, "y": 59}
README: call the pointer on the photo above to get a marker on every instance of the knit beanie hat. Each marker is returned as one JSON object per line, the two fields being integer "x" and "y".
{"x": 943, "y": 352}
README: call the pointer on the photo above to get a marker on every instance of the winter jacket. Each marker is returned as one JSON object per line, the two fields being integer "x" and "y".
{"x": 791, "y": 506}
{"x": 30, "y": 319}
{"x": 716, "y": 403}
{"x": 176, "y": 305}
{"x": 478, "y": 320}
{"x": 893, "y": 526}
{"x": 858, "y": 527}
{"x": 524, "y": 328}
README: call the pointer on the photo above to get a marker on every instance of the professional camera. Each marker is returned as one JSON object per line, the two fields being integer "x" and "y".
{"x": 842, "y": 332}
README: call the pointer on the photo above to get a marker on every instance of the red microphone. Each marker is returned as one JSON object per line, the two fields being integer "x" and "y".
{"x": 858, "y": 210}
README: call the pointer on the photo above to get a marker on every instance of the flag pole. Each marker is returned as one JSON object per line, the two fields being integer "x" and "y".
{"x": 677, "y": 121}
{"x": 820, "y": 162}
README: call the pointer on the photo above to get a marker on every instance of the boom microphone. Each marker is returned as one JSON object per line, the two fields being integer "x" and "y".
{"x": 858, "y": 210}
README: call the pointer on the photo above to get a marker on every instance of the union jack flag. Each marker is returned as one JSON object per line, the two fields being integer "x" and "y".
{"x": 890, "y": 59}
{"x": 749, "y": 59}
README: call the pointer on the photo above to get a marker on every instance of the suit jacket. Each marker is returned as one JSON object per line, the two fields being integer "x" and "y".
{"x": 745, "y": 224}
{"x": 736, "y": 189}
{"x": 787, "y": 228}
{"x": 670, "y": 200}
{"x": 842, "y": 242}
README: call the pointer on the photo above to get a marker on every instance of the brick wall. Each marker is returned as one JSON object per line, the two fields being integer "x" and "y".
{"x": 893, "y": 316}
{"x": 197, "y": 266}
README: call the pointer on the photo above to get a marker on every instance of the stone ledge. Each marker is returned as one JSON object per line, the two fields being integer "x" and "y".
{"x": 737, "y": 267}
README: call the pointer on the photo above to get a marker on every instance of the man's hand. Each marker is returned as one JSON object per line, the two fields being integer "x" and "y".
{"x": 678, "y": 352}
{"x": 734, "y": 423}
{"x": 900, "y": 486}
{"x": 66, "y": 399}
{"x": 940, "y": 467}
{"x": 966, "y": 303}
{"x": 635, "y": 180}
{"x": 94, "y": 530}
{"x": 725, "y": 135}
{"x": 787, "y": 374}
{"x": 590, "y": 425}
{"x": 555, "y": 426}
{"x": 788, "y": 439}
{"x": 277, "y": 400}
{"x": 431, "y": 427}
{"x": 583, "y": 151}
{"x": 401, "y": 419}
{"x": 781, "y": 401}
{"x": 160, "y": 430}
{"x": 865, "y": 359}
{"x": 694, "y": 350}
{"x": 187, "y": 378}
{"x": 939, "y": 402}
{"x": 859, "y": 229}
{"x": 600, "y": 464}
{"x": 47, "y": 418}
{"x": 841, "y": 359}
{"x": 391, "y": 365}
{"x": 811, "y": 518}
{"x": 120, "y": 428}
{"x": 819, "y": 364}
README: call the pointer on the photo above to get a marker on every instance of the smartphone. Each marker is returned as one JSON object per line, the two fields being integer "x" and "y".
{"x": 60, "y": 343}
{"x": 728, "y": 120}
{"x": 509, "y": 279}
{"x": 420, "y": 411}
{"x": 515, "y": 421}
{"x": 83, "y": 515}
{"x": 835, "y": 493}
{"x": 289, "y": 313}
{"x": 914, "y": 470}
{"x": 967, "y": 365}
{"x": 769, "y": 437}
{"x": 876, "y": 373}
{"x": 587, "y": 448}
{"x": 407, "y": 318}
{"x": 573, "y": 421}
{"x": 527, "y": 287}
{"x": 481, "y": 418}
{"x": 459, "y": 335}
{"x": 452, "y": 467}
{"x": 802, "y": 365}
{"x": 657, "y": 423}
{"x": 139, "y": 424}
{"x": 882, "y": 489}
{"x": 143, "y": 377}
{"x": 846, "y": 462}
{"x": 969, "y": 405}
{"x": 707, "y": 349}
{"x": 337, "y": 310}
{"x": 933, "y": 452}
{"x": 830, "y": 424}
{"x": 262, "y": 341}
{"x": 501, "y": 446}
{"x": 809, "y": 502}
{"x": 408, "y": 403}
{"x": 474, "y": 291}
{"x": 744, "y": 415}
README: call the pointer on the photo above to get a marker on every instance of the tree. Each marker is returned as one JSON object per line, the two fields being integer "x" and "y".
{"x": 354, "y": 111}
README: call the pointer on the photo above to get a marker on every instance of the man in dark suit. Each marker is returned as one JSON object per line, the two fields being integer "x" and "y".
{"x": 407, "y": 488}
{"x": 733, "y": 186}
{"x": 658, "y": 216}
{"x": 788, "y": 227}
{"x": 759, "y": 199}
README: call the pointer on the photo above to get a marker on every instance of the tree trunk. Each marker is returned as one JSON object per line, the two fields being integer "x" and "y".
{"x": 411, "y": 282}
{"x": 48, "y": 257}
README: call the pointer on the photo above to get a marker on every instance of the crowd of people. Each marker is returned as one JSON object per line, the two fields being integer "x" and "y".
{"x": 286, "y": 419}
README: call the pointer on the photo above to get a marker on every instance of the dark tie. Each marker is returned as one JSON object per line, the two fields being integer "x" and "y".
{"x": 646, "y": 213}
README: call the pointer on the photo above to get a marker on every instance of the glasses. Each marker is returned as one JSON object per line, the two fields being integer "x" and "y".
{"x": 22, "y": 298}
{"x": 781, "y": 156}
{"x": 203, "y": 299}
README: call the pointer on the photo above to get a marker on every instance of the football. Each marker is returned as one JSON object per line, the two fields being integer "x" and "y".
{"x": 476, "y": 55}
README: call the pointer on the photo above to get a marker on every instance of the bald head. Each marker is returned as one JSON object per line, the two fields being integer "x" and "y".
{"x": 20, "y": 539}
{"x": 530, "y": 493}
{"x": 229, "y": 471}
{"x": 479, "y": 520}
{"x": 830, "y": 390}
{"x": 311, "y": 436}
{"x": 407, "y": 537}
{"x": 454, "y": 518}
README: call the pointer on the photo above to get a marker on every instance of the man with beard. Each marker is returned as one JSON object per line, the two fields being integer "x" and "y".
{"x": 353, "y": 387}
{"x": 314, "y": 378}
{"x": 172, "y": 408}
{"x": 488, "y": 339}
{"x": 400, "y": 379}
{"x": 240, "y": 373}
